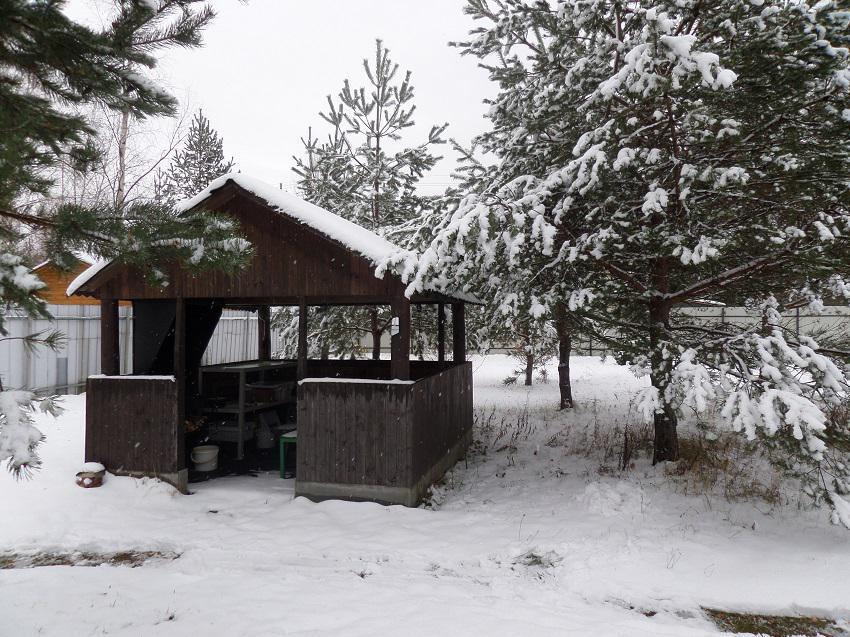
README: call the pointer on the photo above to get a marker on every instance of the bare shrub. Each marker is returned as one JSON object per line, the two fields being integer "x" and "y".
{"x": 728, "y": 465}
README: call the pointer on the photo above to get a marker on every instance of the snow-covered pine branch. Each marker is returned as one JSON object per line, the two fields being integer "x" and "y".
{"x": 652, "y": 153}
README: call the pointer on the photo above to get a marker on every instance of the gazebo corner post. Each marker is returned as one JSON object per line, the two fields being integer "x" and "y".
{"x": 458, "y": 332}
{"x": 264, "y": 333}
{"x": 302, "y": 338}
{"x": 180, "y": 356}
{"x": 441, "y": 332}
{"x": 180, "y": 380}
{"x": 110, "y": 353}
{"x": 400, "y": 339}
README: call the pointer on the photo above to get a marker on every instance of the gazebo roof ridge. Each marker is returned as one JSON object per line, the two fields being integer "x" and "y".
{"x": 361, "y": 240}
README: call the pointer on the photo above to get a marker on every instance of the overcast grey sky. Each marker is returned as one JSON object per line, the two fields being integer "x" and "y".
{"x": 267, "y": 65}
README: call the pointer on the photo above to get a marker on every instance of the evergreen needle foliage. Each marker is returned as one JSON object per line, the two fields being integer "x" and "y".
{"x": 651, "y": 154}
{"x": 195, "y": 165}
{"x": 50, "y": 69}
{"x": 365, "y": 172}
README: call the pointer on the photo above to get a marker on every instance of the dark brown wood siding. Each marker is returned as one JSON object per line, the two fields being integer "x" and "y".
{"x": 441, "y": 408}
{"x": 132, "y": 425}
{"x": 291, "y": 260}
{"x": 354, "y": 433}
{"x": 380, "y": 433}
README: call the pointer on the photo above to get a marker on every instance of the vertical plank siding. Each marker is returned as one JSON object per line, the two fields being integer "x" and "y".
{"x": 354, "y": 433}
{"x": 441, "y": 415}
{"x": 132, "y": 424}
{"x": 235, "y": 339}
{"x": 383, "y": 434}
{"x": 63, "y": 371}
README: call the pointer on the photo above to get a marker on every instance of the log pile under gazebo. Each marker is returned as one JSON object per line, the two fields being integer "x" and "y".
{"x": 380, "y": 430}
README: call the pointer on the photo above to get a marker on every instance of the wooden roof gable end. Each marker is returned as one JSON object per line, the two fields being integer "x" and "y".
{"x": 301, "y": 251}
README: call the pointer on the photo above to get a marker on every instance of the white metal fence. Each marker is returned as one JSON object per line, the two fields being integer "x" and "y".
{"x": 235, "y": 338}
{"x": 833, "y": 323}
{"x": 66, "y": 370}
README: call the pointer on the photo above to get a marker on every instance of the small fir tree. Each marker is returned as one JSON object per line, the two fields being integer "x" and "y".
{"x": 365, "y": 173}
{"x": 200, "y": 161}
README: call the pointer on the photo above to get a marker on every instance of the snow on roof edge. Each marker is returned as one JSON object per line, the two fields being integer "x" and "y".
{"x": 83, "y": 257}
{"x": 368, "y": 244}
{"x": 357, "y": 238}
{"x": 85, "y": 276}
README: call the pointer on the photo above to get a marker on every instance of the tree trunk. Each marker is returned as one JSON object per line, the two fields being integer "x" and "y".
{"x": 529, "y": 368}
{"x": 666, "y": 446}
{"x": 565, "y": 347}
{"x": 376, "y": 334}
{"x": 123, "y": 135}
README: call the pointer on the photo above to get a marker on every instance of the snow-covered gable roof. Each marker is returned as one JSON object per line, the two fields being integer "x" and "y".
{"x": 357, "y": 238}
{"x": 377, "y": 250}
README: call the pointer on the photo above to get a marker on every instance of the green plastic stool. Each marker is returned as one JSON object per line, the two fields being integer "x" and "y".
{"x": 289, "y": 438}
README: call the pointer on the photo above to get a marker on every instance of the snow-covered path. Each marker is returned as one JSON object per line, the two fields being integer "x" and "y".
{"x": 525, "y": 539}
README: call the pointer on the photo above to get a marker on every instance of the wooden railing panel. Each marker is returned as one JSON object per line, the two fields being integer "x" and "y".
{"x": 441, "y": 407}
{"x": 382, "y": 433}
{"x": 132, "y": 424}
{"x": 354, "y": 433}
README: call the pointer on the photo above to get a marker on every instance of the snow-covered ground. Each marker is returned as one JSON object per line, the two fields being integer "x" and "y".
{"x": 526, "y": 537}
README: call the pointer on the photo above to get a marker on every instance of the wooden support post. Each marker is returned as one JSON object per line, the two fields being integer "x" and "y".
{"x": 400, "y": 339}
{"x": 180, "y": 351}
{"x": 302, "y": 338}
{"x": 441, "y": 332}
{"x": 110, "y": 353}
{"x": 180, "y": 375}
{"x": 458, "y": 332}
{"x": 264, "y": 333}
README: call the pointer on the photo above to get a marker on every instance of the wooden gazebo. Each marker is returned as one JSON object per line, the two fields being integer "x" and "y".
{"x": 380, "y": 430}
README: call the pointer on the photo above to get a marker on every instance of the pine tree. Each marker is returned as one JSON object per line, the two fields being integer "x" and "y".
{"x": 708, "y": 160}
{"x": 200, "y": 161}
{"x": 50, "y": 68}
{"x": 365, "y": 173}
{"x": 530, "y": 131}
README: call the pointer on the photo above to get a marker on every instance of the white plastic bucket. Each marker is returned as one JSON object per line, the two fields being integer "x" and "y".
{"x": 205, "y": 457}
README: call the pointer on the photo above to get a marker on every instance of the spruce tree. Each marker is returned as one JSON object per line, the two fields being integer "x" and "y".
{"x": 50, "y": 69}
{"x": 708, "y": 160}
{"x": 192, "y": 168}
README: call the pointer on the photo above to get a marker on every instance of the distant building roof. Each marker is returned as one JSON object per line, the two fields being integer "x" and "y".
{"x": 80, "y": 256}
